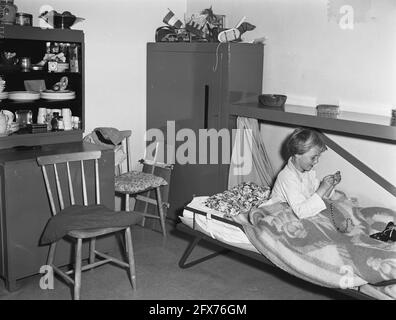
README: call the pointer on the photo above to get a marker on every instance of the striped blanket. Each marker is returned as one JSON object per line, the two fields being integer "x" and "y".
{"x": 313, "y": 249}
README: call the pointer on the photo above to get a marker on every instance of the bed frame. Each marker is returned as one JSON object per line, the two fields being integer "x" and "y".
{"x": 225, "y": 248}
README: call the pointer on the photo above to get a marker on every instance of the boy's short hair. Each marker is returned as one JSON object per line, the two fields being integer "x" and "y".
{"x": 302, "y": 140}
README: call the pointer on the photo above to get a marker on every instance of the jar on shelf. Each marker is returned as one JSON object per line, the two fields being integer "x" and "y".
{"x": 54, "y": 121}
{"x": 8, "y": 12}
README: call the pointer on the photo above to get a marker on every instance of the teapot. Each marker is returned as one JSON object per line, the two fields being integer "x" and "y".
{"x": 3, "y": 123}
{"x": 9, "y": 58}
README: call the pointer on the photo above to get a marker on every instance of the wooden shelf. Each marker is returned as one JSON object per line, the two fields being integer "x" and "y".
{"x": 17, "y": 72}
{"x": 30, "y": 139}
{"x": 39, "y": 103}
{"x": 37, "y": 33}
{"x": 28, "y": 41}
{"x": 353, "y": 123}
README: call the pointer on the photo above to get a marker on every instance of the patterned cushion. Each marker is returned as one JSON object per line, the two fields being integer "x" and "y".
{"x": 136, "y": 181}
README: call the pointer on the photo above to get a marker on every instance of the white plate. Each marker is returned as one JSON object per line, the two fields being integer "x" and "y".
{"x": 23, "y": 95}
{"x": 56, "y": 95}
{"x": 59, "y": 91}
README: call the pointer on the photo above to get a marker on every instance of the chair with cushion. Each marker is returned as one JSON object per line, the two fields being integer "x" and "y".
{"x": 140, "y": 185}
{"x": 64, "y": 175}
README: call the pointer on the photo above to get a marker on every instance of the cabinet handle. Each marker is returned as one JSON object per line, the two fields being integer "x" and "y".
{"x": 206, "y": 107}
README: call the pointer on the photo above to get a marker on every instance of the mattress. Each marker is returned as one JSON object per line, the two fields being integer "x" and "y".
{"x": 218, "y": 230}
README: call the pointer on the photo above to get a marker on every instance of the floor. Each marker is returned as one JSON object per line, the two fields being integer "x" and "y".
{"x": 226, "y": 277}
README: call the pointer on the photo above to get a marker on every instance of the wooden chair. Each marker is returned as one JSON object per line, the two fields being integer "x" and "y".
{"x": 62, "y": 165}
{"x": 139, "y": 185}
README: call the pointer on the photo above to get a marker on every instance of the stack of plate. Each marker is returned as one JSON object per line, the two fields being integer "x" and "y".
{"x": 3, "y": 95}
{"x": 23, "y": 95}
{"x": 58, "y": 95}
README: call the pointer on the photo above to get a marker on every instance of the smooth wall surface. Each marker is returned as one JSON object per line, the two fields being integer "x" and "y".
{"x": 116, "y": 33}
{"x": 311, "y": 58}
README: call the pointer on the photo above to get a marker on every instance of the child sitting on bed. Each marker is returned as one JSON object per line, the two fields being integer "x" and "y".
{"x": 296, "y": 183}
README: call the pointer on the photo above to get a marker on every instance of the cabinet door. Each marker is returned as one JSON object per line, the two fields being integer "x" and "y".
{"x": 182, "y": 86}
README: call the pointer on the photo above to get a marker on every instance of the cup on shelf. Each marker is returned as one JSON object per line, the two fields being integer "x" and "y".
{"x": 67, "y": 118}
{"x": 25, "y": 63}
{"x": 23, "y": 117}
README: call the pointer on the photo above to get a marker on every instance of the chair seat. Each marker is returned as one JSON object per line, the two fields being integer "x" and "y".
{"x": 136, "y": 182}
{"x": 91, "y": 233}
{"x": 79, "y": 218}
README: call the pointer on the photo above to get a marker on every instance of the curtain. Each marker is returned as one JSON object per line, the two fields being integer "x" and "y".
{"x": 249, "y": 160}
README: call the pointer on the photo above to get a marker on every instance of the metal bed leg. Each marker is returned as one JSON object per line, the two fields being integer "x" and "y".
{"x": 188, "y": 251}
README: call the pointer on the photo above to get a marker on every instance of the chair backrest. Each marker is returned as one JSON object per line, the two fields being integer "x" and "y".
{"x": 61, "y": 164}
{"x": 126, "y": 148}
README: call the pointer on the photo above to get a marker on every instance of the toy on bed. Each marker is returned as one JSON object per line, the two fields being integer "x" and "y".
{"x": 242, "y": 197}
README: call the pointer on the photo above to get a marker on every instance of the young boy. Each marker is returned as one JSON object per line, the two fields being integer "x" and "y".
{"x": 297, "y": 184}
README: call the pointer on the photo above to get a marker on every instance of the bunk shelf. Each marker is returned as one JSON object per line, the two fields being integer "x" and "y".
{"x": 365, "y": 125}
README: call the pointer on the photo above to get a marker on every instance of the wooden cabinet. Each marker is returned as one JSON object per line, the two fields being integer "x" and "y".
{"x": 191, "y": 85}
{"x": 34, "y": 43}
{"x": 25, "y": 209}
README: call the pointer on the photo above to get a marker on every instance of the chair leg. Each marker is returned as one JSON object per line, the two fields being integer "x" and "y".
{"x": 77, "y": 270}
{"x": 160, "y": 210}
{"x": 51, "y": 254}
{"x": 145, "y": 210}
{"x": 92, "y": 250}
{"x": 127, "y": 202}
{"x": 131, "y": 259}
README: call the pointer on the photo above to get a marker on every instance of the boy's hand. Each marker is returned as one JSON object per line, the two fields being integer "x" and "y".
{"x": 337, "y": 177}
{"x": 326, "y": 185}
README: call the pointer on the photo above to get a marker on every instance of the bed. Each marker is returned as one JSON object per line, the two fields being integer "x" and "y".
{"x": 276, "y": 245}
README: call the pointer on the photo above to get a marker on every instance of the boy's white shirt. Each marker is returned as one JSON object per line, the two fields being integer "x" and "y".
{"x": 298, "y": 189}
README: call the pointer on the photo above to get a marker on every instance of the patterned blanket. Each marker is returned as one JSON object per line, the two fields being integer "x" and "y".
{"x": 242, "y": 197}
{"x": 313, "y": 249}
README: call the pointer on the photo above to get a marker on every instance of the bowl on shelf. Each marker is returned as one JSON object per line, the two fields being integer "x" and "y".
{"x": 272, "y": 100}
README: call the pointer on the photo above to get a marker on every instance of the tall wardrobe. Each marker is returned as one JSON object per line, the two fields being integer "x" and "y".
{"x": 189, "y": 87}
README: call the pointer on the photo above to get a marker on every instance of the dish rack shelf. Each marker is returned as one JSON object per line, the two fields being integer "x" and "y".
{"x": 33, "y": 42}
